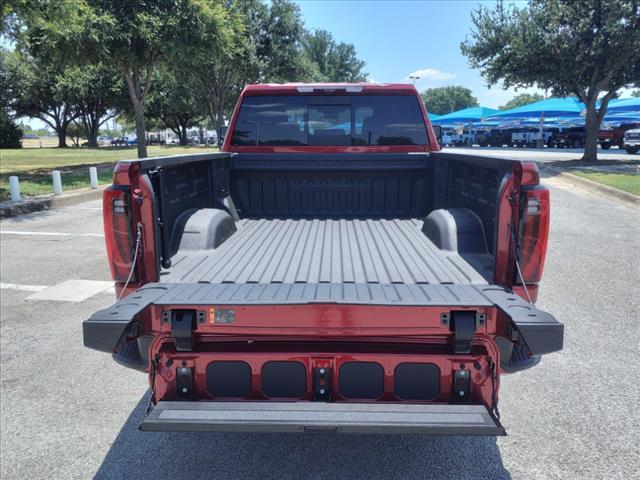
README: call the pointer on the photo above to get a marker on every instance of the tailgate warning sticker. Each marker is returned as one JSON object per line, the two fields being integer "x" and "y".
{"x": 222, "y": 316}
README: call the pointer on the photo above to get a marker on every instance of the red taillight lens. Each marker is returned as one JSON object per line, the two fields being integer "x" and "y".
{"x": 534, "y": 233}
{"x": 118, "y": 231}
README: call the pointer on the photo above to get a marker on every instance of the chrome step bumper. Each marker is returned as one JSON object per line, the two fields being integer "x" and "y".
{"x": 322, "y": 417}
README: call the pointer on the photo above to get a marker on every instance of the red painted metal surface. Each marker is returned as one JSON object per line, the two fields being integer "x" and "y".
{"x": 326, "y": 320}
{"x": 127, "y": 173}
{"x": 507, "y": 224}
{"x": 256, "y": 354}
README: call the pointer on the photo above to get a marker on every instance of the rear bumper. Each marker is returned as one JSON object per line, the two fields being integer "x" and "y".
{"x": 301, "y": 417}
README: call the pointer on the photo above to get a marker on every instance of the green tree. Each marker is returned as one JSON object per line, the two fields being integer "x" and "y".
{"x": 35, "y": 94}
{"x": 95, "y": 92}
{"x": 280, "y": 45}
{"x": 635, "y": 93}
{"x": 176, "y": 102}
{"x": 75, "y": 132}
{"x": 10, "y": 132}
{"x": 443, "y": 100}
{"x": 521, "y": 100}
{"x": 335, "y": 62}
{"x": 243, "y": 42}
{"x": 584, "y": 48}
{"x": 223, "y": 56}
{"x": 135, "y": 37}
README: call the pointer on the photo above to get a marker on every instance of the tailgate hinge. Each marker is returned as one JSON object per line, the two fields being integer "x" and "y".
{"x": 182, "y": 325}
{"x": 463, "y": 326}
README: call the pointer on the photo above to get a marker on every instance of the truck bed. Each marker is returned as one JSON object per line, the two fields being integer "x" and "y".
{"x": 310, "y": 251}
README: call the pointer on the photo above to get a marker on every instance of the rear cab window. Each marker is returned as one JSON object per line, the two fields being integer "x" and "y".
{"x": 340, "y": 120}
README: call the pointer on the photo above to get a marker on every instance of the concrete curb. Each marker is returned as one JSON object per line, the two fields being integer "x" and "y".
{"x": 47, "y": 202}
{"x": 611, "y": 193}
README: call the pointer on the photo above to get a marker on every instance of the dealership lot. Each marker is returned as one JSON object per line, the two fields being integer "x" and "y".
{"x": 69, "y": 412}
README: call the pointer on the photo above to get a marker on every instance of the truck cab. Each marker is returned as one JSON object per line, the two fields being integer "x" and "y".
{"x": 330, "y": 269}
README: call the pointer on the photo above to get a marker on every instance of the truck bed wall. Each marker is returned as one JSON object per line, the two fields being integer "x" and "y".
{"x": 334, "y": 186}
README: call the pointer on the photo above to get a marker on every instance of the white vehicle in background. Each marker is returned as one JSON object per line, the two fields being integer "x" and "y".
{"x": 448, "y": 137}
{"x": 529, "y": 137}
{"x": 632, "y": 140}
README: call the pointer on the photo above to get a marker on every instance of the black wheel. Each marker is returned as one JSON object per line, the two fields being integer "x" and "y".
{"x": 632, "y": 150}
{"x": 605, "y": 146}
{"x": 551, "y": 143}
{"x": 577, "y": 143}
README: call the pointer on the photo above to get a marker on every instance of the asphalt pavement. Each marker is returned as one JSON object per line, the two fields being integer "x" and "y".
{"x": 69, "y": 412}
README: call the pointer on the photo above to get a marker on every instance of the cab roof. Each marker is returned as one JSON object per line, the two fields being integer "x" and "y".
{"x": 306, "y": 88}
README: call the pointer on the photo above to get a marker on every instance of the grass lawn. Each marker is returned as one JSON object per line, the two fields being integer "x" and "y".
{"x": 628, "y": 182}
{"x": 33, "y": 165}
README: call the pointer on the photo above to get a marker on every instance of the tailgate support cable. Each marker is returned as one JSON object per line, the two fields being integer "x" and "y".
{"x": 154, "y": 367}
{"x": 515, "y": 256}
{"x": 135, "y": 259}
{"x": 494, "y": 388}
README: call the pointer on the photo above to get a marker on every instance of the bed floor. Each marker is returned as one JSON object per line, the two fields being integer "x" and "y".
{"x": 327, "y": 251}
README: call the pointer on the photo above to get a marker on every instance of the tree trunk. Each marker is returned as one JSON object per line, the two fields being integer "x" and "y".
{"x": 592, "y": 127}
{"x": 141, "y": 129}
{"x": 183, "y": 136}
{"x": 137, "y": 101}
{"x": 220, "y": 119}
{"x": 62, "y": 137}
{"x": 61, "y": 130}
{"x": 91, "y": 126}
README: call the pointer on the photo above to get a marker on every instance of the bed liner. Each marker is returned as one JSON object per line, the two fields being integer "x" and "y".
{"x": 312, "y": 251}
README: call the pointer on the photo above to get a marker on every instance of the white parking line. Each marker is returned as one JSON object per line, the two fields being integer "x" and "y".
{"x": 24, "y": 288}
{"x": 52, "y": 234}
{"x": 72, "y": 291}
{"x": 68, "y": 291}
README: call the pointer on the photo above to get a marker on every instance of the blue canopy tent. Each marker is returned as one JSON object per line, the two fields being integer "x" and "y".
{"x": 466, "y": 115}
{"x": 433, "y": 116}
{"x": 551, "y": 107}
{"x": 608, "y": 118}
{"x": 624, "y": 105}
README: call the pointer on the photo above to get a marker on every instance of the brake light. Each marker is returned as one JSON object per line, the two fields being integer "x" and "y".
{"x": 118, "y": 231}
{"x": 534, "y": 233}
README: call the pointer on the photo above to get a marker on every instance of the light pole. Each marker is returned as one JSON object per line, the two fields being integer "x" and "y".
{"x": 414, "y": 78}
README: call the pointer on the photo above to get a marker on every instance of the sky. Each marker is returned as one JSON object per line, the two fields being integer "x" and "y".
{"x": 400, "y": 38}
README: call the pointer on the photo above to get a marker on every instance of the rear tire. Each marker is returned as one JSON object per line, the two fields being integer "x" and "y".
{"x": 577, "y": 143}
{"x": 632, "y": 150}
{"x": 605, "y": 146}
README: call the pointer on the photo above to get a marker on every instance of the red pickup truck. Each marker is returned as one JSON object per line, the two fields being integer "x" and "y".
{"x": 329, "y": 270}
{"x": 615, "y": 136}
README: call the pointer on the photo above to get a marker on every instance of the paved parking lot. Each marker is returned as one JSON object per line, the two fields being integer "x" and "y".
{"x": 69, "y": 412}
{"x": 545, "y": 154}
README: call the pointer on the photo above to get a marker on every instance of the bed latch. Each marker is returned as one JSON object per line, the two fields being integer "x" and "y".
{"x": 463, "y": 325}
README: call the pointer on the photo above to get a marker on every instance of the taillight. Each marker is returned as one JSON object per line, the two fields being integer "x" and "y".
{"x": 534, "y": 233}
{"x": 118, "y": 231}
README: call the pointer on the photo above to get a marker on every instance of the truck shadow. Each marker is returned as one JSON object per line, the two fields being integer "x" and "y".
{"x": 136, "y": 454}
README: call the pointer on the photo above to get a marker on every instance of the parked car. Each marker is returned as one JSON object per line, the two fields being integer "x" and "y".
{"x": 120, "y": 141}
{"x": 631, "y": 140}
{"x": 615, "y": 136}
{"x": 293, "y": 283}
{"x": 572, "y": 137}
{"x": 497, "y": 137}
